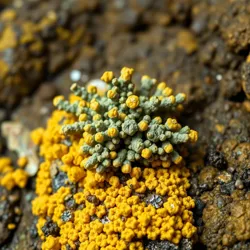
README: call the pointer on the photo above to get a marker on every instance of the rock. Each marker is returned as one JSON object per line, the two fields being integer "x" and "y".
{"x": 216, "y": 158}
{"x": 239, "y": 184}
{"x": 9, "y": 202}
{"x": 50, "y": 228}
{"x": 59, "y": 180}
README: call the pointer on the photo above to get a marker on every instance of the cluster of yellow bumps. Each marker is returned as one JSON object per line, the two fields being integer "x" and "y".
{"x": 112, "y": 211}
{"x": 11, "y": 177}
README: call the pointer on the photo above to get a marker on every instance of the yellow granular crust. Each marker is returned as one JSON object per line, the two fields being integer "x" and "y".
{"x": 11, "y": 177}
{"x": 120, "y": 218}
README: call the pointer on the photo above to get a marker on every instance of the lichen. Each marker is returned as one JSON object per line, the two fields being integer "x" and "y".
{"x": 115, "y": 151}
{"x": 127, "y": 126}
{"x": 11, "y": 177}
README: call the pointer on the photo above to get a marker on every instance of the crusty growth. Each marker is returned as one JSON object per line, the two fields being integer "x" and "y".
{"x": 127, "y": 125}
{"x": 11, "y": 177}
{"x": 144, "y": 193}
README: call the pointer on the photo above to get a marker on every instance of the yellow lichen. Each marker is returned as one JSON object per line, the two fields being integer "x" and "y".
{"x": 143, "y": 125}
{"x": 146, "y": 153}
{"x": 22, "y": 162}
{"x": 11, "y": 177}
{"x": 107, "y": 76}
{"x": 113, "y": 113}
{"x": 110, "y": 212}
{"x": 126, "y": 73}
{"x": 193, "y": 136}
{"x": 132, "y": 101}
{"x": 173, "y": 124}
{"x": 170, "y": 222}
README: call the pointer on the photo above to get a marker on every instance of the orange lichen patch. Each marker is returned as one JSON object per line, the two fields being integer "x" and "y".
{"x": 20, "y": 177}
{"x": 51, "y": 243}
{"x": 53, "y": 147}
{"x": 128, "y": 217}
{"x": 36, "y": 135}
{"x": 11, "y": 177}
{"x": 111, "y": 209}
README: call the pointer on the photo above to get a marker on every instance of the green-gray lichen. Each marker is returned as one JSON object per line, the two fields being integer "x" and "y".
{"x": 125, "y": 125}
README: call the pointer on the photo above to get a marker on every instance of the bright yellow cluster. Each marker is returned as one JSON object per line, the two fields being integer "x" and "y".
{"x": 132, "y": 101}
{"x": 11, "y": 177}
{"x": 107, "y": 76}
{"x": 126, "y": 73}
{"x": 111, "y": 213}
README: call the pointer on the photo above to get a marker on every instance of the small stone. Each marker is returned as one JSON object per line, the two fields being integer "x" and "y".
{"x": 227, "y": 188}
{"x": 239, "y": 184}
{"x": 155, "y": 200}
{"x": 93, "y": 199}
{"x": 199, "y": 206}
{"x": 70, "y": 203}
{"x": 67, "y": 216}
{"x": 50, "y": 228}
{"x": 231, "y": 170}
{"x": 13, "y": 198}
{"x": 220, "y": 202}
{"x": 216, "y": 158}
{"x": 59, "y": 181}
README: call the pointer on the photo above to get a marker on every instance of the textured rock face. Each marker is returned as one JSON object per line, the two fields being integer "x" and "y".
{"x": 9, "y": 205}
{"x": 226, "y": 219}
{"x": 38, "y": 39}
{"x": 224, "y": 191}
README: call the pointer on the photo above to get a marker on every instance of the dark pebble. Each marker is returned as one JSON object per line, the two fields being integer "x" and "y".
{"x": 70, "y": 203}
{"x": 216, "y": 158}
{"x": 227, "y": 188}
{"x": 93, "y": 199}
{"x": 204, "y": 187}
{"x": 59, "y": 181}
{"x": 199, "y": 206}
{"x": 50, "y": 228}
